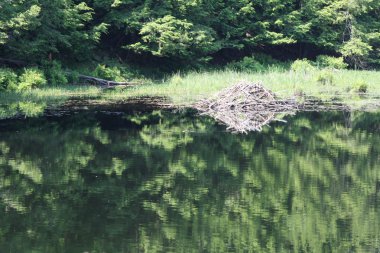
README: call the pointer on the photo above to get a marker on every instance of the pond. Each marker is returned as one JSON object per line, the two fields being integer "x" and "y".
{"x": 157, "y": 181}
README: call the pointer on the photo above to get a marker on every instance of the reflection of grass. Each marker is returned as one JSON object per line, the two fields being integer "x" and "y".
{"x": 32, "y": 103}
{"x": 50, "y": 93}
{"x": 188, "y": 88}
{"x": 25, "y": 108}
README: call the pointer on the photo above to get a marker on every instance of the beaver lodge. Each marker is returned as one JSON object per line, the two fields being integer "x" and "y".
{"x": 247, "y": 107}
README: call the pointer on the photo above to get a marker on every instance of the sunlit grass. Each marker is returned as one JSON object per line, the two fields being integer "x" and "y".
{"x": 191, "y": 87}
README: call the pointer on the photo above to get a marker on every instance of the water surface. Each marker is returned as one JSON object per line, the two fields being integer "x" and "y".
{"x": 156, "y": 181}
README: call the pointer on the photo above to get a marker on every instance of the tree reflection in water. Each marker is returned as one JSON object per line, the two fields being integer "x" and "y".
{"x": 163, "y": 182}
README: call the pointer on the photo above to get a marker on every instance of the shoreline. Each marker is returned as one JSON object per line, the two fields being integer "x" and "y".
{"x": 181, "y": 91}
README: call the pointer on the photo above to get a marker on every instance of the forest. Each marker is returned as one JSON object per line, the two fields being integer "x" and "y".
{"x": 187, "y": 34}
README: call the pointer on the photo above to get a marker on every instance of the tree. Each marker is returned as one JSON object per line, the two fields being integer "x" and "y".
{"x": 59, "y": 29}
{"x": 16, "y": 18}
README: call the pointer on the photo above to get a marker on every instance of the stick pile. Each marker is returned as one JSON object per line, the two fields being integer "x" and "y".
{"x": 245, "y": 107}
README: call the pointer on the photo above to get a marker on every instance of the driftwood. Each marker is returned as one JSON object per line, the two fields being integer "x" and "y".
{"x": 249, "y": 107}
{"x": 103, "y": 82}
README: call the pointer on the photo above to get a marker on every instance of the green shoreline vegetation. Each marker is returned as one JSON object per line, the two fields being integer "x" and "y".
{"x": 357, "y": 89}
{"x": 181, "y": 50}
{"x": 353, "y": 87}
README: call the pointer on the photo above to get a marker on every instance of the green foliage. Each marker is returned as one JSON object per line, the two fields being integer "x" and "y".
{"x": 54, "y": 73}
{"x": 326, "y": 78}
{"x": 248, "y": 64}
{"x": 16, "y": 19}
{"x": 356, "y": 51}
{"x": 176, "y": 79}
{"x": 73, "y": 77}
{"x": 325, "y": 61}
{"x": 108, "y": 73}
{"x": 48, "y": 28}
{"x": 8, "y": 79}
{"x": 360, "y": 87}
{"x": 266, "y": 60}
{"x": 190, "y": 31}
{"x": 303, "y": 66}
{"x": 169, "y": 36}
{"x": 31, "y": 109}
{"x": 31, "y": 78}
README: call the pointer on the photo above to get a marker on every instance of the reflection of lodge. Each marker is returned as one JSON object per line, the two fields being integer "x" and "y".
{"x": 248, "y": 107}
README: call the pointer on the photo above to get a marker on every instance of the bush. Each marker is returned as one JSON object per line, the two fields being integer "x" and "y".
{"x": 326, "y": 61}
{"x": 249, "y": 64}
{"x": 360, "y": 87}
{"x": 325, "y": 78}
{"x": 55, "y": 75}
{"x": 31, "y": 78}
{"x": 73, "y": 77}
{"x": 267, "y": 60}
{"x": 108, "y": 73}
{"x": 8, "y": 79}
{"x": 302, "y": 66}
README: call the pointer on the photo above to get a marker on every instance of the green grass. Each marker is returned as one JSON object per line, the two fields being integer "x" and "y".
{"x": 191, "y": 87}
{"x": 184, "y": 89}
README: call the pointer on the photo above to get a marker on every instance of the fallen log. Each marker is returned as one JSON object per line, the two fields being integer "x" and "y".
{"x": 103, "y": 82}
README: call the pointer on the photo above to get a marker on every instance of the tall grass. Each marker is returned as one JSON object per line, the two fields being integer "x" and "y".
{"x": 191, "y": 87}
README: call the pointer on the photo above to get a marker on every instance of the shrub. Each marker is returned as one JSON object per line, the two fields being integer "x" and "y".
{"x": 360, "y": 87}
{"x": 266, "y": 60}
{"x": 8, "y": 79}
{"x": 326, "y": 61}
{"x": 303, "y": 65}
{"x": 73, "y": 77}
{"x": 55, "y": 75}
{"x": 249, "y": 64}
{"x": 325, "y": 78}
{"x": 108, "y": 73}
{"x": 31, "y": 78}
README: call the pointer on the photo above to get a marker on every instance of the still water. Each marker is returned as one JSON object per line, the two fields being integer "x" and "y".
{"x": 156, "y": 181}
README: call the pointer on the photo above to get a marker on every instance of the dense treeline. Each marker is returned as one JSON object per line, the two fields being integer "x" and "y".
{"x": 182, "y": 31}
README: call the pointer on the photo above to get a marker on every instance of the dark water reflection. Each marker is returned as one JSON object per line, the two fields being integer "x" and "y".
{"x": 163, "y": 182}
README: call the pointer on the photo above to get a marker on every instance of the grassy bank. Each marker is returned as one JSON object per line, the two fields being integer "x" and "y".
{"x": 355, "y": 88}
{"x": 323, "y": 84}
